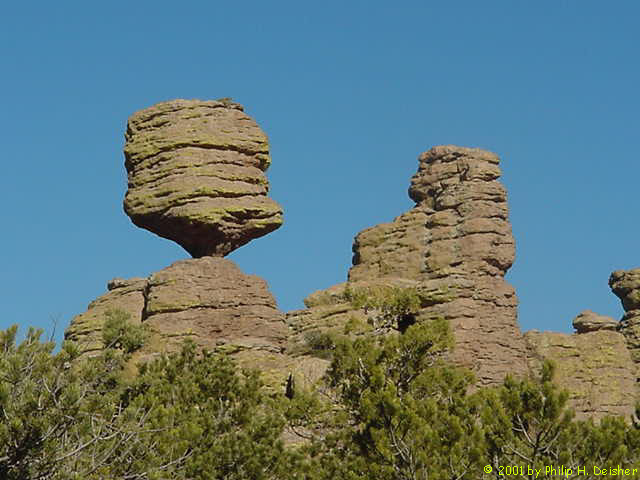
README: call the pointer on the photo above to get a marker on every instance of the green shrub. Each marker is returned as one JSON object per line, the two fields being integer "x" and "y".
{"x": 189, "y": 415}
{"x": 118, "y": 332}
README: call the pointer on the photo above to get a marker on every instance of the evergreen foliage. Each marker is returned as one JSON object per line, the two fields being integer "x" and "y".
{"x": 390, "y": 407}
{"x": 119, "y": 332}
{"x": 188, "y": 415}
{"x": 387, "y": 306}
{"x": 402, "y": 413}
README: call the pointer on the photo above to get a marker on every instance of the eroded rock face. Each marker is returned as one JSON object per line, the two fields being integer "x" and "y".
{"x": 461, "y": 244}
{"x": 196, "y": 175}
{"x": 594, "y": 367}
{"x": 213, "y": 302}
{"x": 208, "y": 300}
{"x": 126, "y": 295}
{"x": 455, "y": 244}
{"x": 626, "y": 285}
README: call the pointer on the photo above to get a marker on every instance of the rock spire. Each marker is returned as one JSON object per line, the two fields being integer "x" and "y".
{"x": 455, "y": 247}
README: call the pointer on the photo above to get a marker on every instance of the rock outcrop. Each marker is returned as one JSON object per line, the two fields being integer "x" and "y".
{"x": 594, "y": 367}
{"x": 626, "y": 285}
{"x": 126, "y": 295}
{"x": 217, "y": 305}
{"x": 208, "y": 300}
{"x": 454, "y": 247}
{"x": 196, "y": 175}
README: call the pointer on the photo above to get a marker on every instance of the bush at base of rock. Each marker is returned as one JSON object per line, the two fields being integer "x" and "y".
{"x": 187, "y": 415}
{"x": 390, "y": 408}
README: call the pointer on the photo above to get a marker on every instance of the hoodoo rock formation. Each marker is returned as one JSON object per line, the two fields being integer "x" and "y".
{"x": 466, "y": 247}
{"x": 455, "y": 247}
{"x": 196, "y": 175}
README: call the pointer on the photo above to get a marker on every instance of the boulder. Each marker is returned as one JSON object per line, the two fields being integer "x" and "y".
{"x": 196, "y": 173}
{"x": 588, "y": 321}
{"x": 626, "y": 285}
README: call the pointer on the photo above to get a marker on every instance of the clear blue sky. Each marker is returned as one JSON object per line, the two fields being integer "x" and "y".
{"x": 349, "y": 93}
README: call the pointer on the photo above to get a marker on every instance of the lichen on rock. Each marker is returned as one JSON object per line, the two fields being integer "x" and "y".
{"x": 626, "y": 285}
{"x": 207, "y": 300}
{"x": 196, "y": 174}
{"x": 594, "y": 367}
{"x": 456, "y": 240}
{"x": 588, "y": 321}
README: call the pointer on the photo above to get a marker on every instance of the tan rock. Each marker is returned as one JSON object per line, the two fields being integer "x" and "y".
{"x": 196, "y": 175}
{"x": 208, "y": 300}
{"x": 626, "y": 285}
{"x": 588, "y": 321}
{"x": 462, "y": 244}
{"x": 86, "y": 328}
{"x": 213, "y": 302}
{"x": 595, "y": 368}
{"x": 455, "y": 245}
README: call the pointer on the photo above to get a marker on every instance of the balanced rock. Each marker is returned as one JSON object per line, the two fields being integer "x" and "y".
{"x": 626, "y": 285}
{"x": 196, "y": 173}
{"x": 588, "y": 321}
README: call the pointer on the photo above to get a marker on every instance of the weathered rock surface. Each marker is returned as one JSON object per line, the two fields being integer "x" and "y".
{"x": 209, "y": 300}
{"x": 595, "y": 367}
{"x": 196, "y": 175}
{"x": 212, "y": 301}
{"x": 454, "y": 245}
{"x": 126, "y": 295}
{"x": 626, "y": 285}
{"x": 588, "y": 321}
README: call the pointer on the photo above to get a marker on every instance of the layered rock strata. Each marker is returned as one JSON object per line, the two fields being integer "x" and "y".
{"x": 454, "y": 247}
{"x": 595, "y": 367}
{"x": 208, "y": 300}
{"x": 626, "y": 285}
{"x": 196, "y": 175}
{"x": 588, "y": 321}
{"x": 126, "y": 295}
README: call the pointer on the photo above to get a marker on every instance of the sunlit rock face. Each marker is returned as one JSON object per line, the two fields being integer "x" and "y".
{"x": 626, "y": 285}
{"x": 454, "y": 246}
{"x": 594, "y": 366}
{"x": 207, "y": 300}
{"x": 196, "y": 174}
